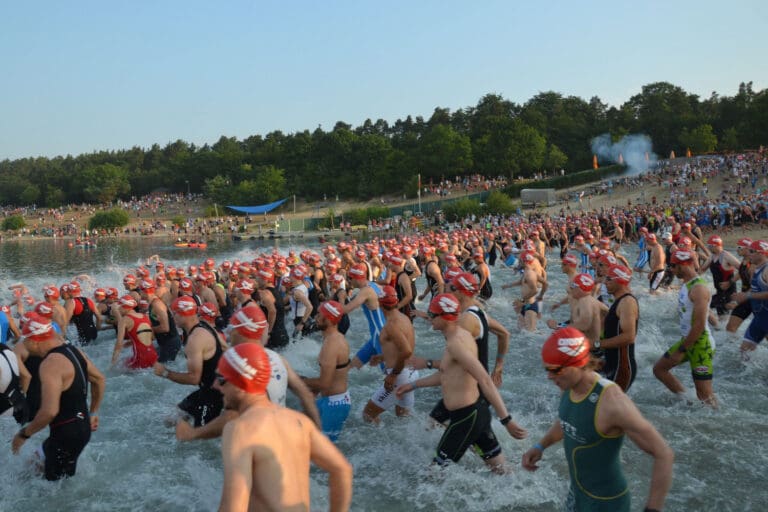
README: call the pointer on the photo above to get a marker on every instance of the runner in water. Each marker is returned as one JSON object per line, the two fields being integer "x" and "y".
{"x": 593, "y": 417}
{"x": 65, "y": 373}
{"x": 267, "y": 449}
{"x": 696, "y": 346}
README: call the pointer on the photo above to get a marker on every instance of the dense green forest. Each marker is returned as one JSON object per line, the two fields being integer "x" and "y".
{"x": 495, "y": 137}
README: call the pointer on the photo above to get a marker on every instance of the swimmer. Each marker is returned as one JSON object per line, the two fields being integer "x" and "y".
{"x": 267, "y": 443}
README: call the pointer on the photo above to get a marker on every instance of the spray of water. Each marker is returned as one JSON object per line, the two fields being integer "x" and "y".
{"x": 636, "y": 151}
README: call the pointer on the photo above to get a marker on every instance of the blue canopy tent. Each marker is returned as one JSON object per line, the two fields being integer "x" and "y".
{"x": 264, "y": 208}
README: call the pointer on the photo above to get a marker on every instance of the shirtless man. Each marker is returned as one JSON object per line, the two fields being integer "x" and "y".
{"x": 51, "y": 295}
{"x": 397, "y": 343}
{"x": 334, "y": 402}
{"x": 527, "y": 305}
{"x": 462, "y": 379}
{"x": 586, "y": 311}
{"x": 267, "y": 449}
{"x": 657, "y": 262}
{"x": 568, "y": 265}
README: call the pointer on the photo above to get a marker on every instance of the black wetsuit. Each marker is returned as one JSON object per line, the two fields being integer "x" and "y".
{"x": 168, "y": 343}
{"x": 720, "y": 275}
{"x": 487, "y": 290}
{"x": 86, "y": 328}
{"x": 431, "y": 281}
{"x": 744, "y": 309}
{"x": 279, "y": 336}
{"x": 70, "y": 430}
{"x": 620, "y": 365}
{"x": 34, "y": 391}
{"x": 344, "y": 323}
{"x": 206, "y": 403}
{"x": 407, "y": 310}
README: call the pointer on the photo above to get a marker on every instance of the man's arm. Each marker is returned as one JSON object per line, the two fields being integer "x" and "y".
{"x": 98, "y": 384}
{"x": 327, "y": 457}
{"x": 238, "y": 475}
{"x": 471, "y": 365}
{"x": 96, "y": 313}
{"x": 533, "y": 455}
{"x": 357, "y": 301}
{"x": 302, "y": 392}
{"x": 502, "y": 345}
{"x": 621, "y": 413}
{"x": 194, "y": 352}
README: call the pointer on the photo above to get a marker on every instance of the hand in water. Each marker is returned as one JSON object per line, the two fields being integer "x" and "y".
{"x": 184, "y": 431}
{"x": 516, "y": 430}
{"x": 94, "y": 422}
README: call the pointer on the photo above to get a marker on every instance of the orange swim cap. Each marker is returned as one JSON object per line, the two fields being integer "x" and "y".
{"x": 566, "y": 347}
{"x": 247, "y": 367}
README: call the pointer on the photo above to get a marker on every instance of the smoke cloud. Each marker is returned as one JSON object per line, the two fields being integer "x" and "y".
{"x": 632, "y": 148}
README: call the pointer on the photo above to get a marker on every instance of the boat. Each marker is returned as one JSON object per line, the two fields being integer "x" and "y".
{"x": 191, "y": 244}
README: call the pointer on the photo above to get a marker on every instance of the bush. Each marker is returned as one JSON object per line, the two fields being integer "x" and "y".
{"x": 499, "y": 203}
{"x": 178, "y": 220}
{"x": 361, "y": 216}
{"x": 114, "y": 218}
{"x": 13, "y": 223}
{"x": 457, "y": 210}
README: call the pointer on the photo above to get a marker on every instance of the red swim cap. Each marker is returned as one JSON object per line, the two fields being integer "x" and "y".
{"x": 681, "y": 257}
{"x": 570, "y": 260}
{"x": 359, "y": 271}
{"x": 208, "y": 311}
{"x": 184, "y": 306}
{"x": 585, "y": 282}
{"x": 466, "y": 284}
{"x": 620, "y": 274}
{"x": 445, "y": 305}
{"x": 388, "y": 297}
{"x": 566, "y": 347}
{"x": 333, "y": 311}
{"x": 249, "y": 321}
{"x": 44, "y": 309}
{"x": 247, "y": 367}
{"x": 36, "y": 327}
{"x": 127, "y": 302}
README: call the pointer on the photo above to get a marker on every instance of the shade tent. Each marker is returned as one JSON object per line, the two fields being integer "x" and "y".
{"x": 264, "y": 208}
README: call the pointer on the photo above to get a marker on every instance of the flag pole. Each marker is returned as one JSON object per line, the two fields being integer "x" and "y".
{"x": 418, "y": 193}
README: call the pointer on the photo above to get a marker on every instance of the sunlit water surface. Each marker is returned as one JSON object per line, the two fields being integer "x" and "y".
{"x": 134, "y": 462}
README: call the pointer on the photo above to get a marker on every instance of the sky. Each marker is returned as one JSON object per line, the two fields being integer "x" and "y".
{"x": 84, "y": 76}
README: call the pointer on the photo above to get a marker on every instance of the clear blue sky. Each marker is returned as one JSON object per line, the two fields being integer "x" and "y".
{"x": 90, "y": 75}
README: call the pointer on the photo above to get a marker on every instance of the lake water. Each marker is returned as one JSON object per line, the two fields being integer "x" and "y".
{"x": 134, "y": 462}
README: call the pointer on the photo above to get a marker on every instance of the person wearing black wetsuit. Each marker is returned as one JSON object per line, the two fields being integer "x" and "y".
{"x": 72, "y": 421}
{"x": 84, "y": 315}
{"x": 203, "y": 340}
{"x": 619, "y": 360}
{"x": 271, "y": 301}
{"x": 168, "y": 339}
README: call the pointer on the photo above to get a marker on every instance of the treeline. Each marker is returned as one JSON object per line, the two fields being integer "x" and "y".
{"x": 495, "y": 137}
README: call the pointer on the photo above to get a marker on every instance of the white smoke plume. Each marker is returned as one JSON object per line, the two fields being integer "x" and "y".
{"x": 632, "y": 148}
